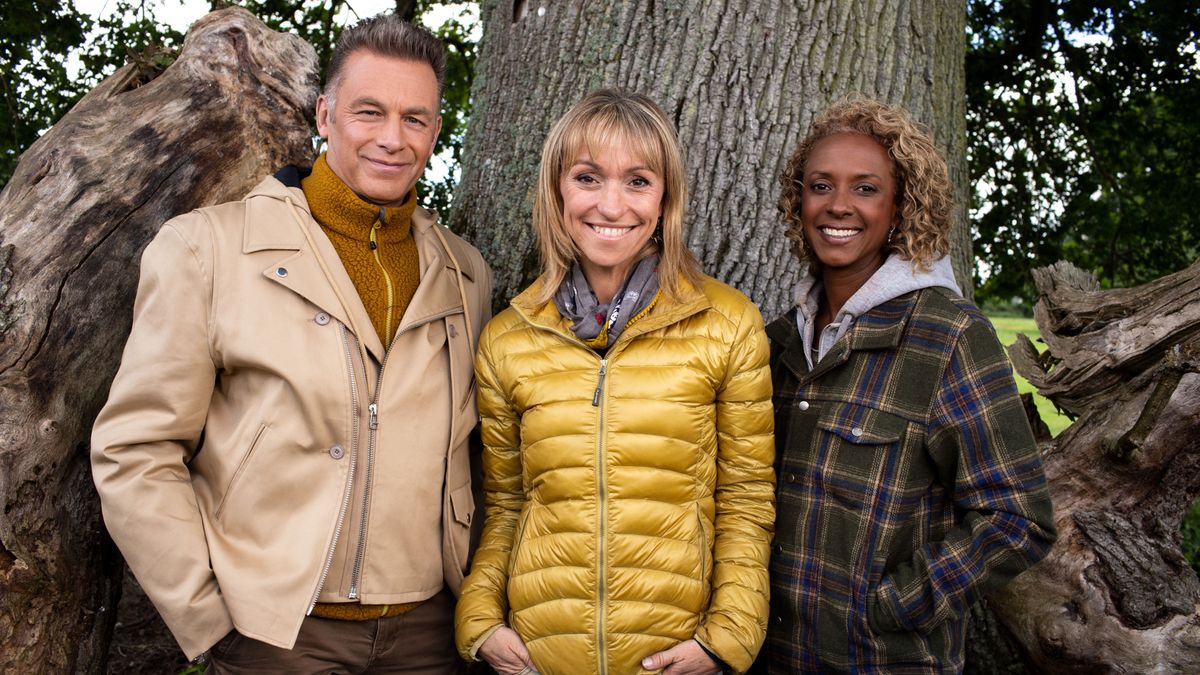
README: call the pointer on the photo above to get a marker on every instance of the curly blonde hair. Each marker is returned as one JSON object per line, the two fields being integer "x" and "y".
{"x": 924, "y": 198}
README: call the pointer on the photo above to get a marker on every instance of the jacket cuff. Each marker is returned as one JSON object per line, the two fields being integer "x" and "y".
{"x": 721, "y": 665}
{"x": 474, "y": 651}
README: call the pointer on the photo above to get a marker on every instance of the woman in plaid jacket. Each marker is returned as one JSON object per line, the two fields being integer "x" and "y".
{"x": 909, "y": 480}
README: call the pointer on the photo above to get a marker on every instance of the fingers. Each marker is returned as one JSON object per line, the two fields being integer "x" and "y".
{"x": 660, "y": 660}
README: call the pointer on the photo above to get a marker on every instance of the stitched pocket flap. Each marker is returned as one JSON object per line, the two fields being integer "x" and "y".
{"x": 861, "y": 425}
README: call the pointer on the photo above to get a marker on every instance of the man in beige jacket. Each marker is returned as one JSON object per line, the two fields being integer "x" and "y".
{"x": 283, "y": 458}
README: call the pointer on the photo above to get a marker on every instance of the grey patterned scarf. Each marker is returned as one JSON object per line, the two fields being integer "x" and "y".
{"x": 599, "y": 324}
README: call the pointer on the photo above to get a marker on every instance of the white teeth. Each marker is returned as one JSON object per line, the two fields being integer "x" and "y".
{"x": 838, "y": 232}
{"x": 610, "y": 231}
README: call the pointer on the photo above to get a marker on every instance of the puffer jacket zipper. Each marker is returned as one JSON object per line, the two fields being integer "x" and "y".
{"x": 341, "y": 519}
{"x": 598, "y": 400}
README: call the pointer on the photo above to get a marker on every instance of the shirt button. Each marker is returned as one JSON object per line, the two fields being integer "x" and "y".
{"x": 803, "y": 405}
{"x": 856, "y": 432}
{"x": 778, "y": 619}
{"x": 337, "y": 452}
{"x": 779, "y": 549}
{"x": 321, "y": 318}
{"x": 791, "y": 478}
{"x": 281, "y": 272}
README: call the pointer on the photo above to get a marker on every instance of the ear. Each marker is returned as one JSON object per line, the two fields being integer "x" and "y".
{"x": 323, "y": 116}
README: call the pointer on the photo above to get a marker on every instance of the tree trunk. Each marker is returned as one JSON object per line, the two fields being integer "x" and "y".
{"x": 1115, "y": 594}
{"x": 741, "y": 80}
{"x": 83, "y": 202}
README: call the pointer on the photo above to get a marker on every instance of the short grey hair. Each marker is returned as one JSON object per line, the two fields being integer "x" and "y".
{"x": 386, "y": 35}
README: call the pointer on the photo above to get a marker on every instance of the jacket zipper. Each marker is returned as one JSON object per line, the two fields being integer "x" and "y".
{"x": 341, "y": 519}
{"x": 602, "y": 501}
{"x": 372, "y": 428}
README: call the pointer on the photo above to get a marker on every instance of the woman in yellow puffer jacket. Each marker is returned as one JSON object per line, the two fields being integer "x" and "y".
{"x": 627, "y": 426}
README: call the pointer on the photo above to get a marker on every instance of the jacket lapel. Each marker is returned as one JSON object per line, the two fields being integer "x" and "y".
{"x": 437, "y": 295}
{"x": 273, "y": 233}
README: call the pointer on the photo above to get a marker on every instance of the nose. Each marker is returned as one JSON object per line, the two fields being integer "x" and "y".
{"x": 390, "y": 136}
{"x": 839, "y": 203}
{"x": 611, "y": 201}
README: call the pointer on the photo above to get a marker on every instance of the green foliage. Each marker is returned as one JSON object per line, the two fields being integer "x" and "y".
{"x": 33, "y": 79}
{"x": 1007, "y": 328}
{"x": 1082, "y": 138}
{"x": 1191, "y": 536}
{"x": 35, "y": 44}
{"x": 37, "y": 38}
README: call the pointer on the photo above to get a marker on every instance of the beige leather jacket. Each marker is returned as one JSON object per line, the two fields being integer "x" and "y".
{"x": 257, "y": 417}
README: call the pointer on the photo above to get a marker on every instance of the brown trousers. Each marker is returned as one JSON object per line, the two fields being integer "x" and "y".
{"x": 420, "y": 642}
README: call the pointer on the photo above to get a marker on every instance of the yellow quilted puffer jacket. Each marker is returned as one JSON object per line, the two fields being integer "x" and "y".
{"x": 630, "y": 497}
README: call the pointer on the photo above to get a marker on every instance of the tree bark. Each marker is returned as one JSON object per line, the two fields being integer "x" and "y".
{"x": 83, "y": 202}
{"x": 741, "y": 80}
{"x": 1115, "y": 594}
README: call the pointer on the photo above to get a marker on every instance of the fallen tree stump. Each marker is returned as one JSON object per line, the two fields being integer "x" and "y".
{"x": 83, "y": 202}
{"x": 1115, "y": 594}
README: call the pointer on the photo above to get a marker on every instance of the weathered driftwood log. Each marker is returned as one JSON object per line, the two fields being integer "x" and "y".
{"x": 1115, "y": 593}
{"x": 84, "y": 201}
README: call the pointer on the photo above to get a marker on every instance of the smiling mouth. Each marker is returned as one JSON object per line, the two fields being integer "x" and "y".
{"x": 838, "y": 232}
{"x": 610, "y": 232}
{"x": 387, "y": 166}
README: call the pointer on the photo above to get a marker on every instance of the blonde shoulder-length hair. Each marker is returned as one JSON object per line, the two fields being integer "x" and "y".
{"x": 605, "y": 117}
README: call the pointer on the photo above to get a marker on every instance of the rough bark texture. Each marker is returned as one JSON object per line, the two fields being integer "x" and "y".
{"x": 1115, "y": 594}
{"x": 741, "y": 80}
{"x": 83, "y": 202}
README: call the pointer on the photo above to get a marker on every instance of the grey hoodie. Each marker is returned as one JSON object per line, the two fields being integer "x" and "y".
{"x": 895, "y": 278}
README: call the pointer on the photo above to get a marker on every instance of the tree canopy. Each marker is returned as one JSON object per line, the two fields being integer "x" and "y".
{"x": 1082, "y": 135}
{"x": 1081, "y": 122}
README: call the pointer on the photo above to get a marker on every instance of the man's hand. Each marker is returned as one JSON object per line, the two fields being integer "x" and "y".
{"x": 685, "y": 658}
{"x": 505, "y": 652}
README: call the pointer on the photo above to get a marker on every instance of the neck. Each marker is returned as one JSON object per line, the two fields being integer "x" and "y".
{"x": 605, "y": 281}
{"x": 839, "y": 287}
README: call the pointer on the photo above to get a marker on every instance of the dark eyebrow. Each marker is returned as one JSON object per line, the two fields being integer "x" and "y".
{"x": 825, "y": 174}
{"x": 414, "y": 111}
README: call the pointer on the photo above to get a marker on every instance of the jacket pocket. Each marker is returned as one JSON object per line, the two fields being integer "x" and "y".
{"x": 462, "y": 362}
{"x": 705, "y": 541}
{"x": 241, "y": 469}
{"x": 856, "y": 459}
{"x": 463, "y": 504}
{"x": 518, "y": 536}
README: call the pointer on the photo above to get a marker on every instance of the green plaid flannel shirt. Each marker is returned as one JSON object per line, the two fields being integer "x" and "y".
{"x": 909, "y": 484}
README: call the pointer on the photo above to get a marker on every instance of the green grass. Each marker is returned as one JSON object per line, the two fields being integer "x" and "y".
{"x": 1007, "y": 328}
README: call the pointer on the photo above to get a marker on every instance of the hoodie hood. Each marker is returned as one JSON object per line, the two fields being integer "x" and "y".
{"x": 896, "y": 277}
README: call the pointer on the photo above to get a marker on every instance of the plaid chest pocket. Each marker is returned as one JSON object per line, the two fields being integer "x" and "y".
{"x": 857, "y": 453}
{"x": 877, "y": 484}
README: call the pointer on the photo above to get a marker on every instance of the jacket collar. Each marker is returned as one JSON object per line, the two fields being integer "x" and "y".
{"x": 666, "y": 311}
{"x": 271, "y": 226}
{"x": 880, "y": 328}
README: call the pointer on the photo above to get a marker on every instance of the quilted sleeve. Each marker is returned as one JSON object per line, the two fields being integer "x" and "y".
{"x": 736, "y": 621}
{"x": 482, "y": 604}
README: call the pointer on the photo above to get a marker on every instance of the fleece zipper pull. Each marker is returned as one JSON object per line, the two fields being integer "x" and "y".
{"x": 375, "y": 228}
